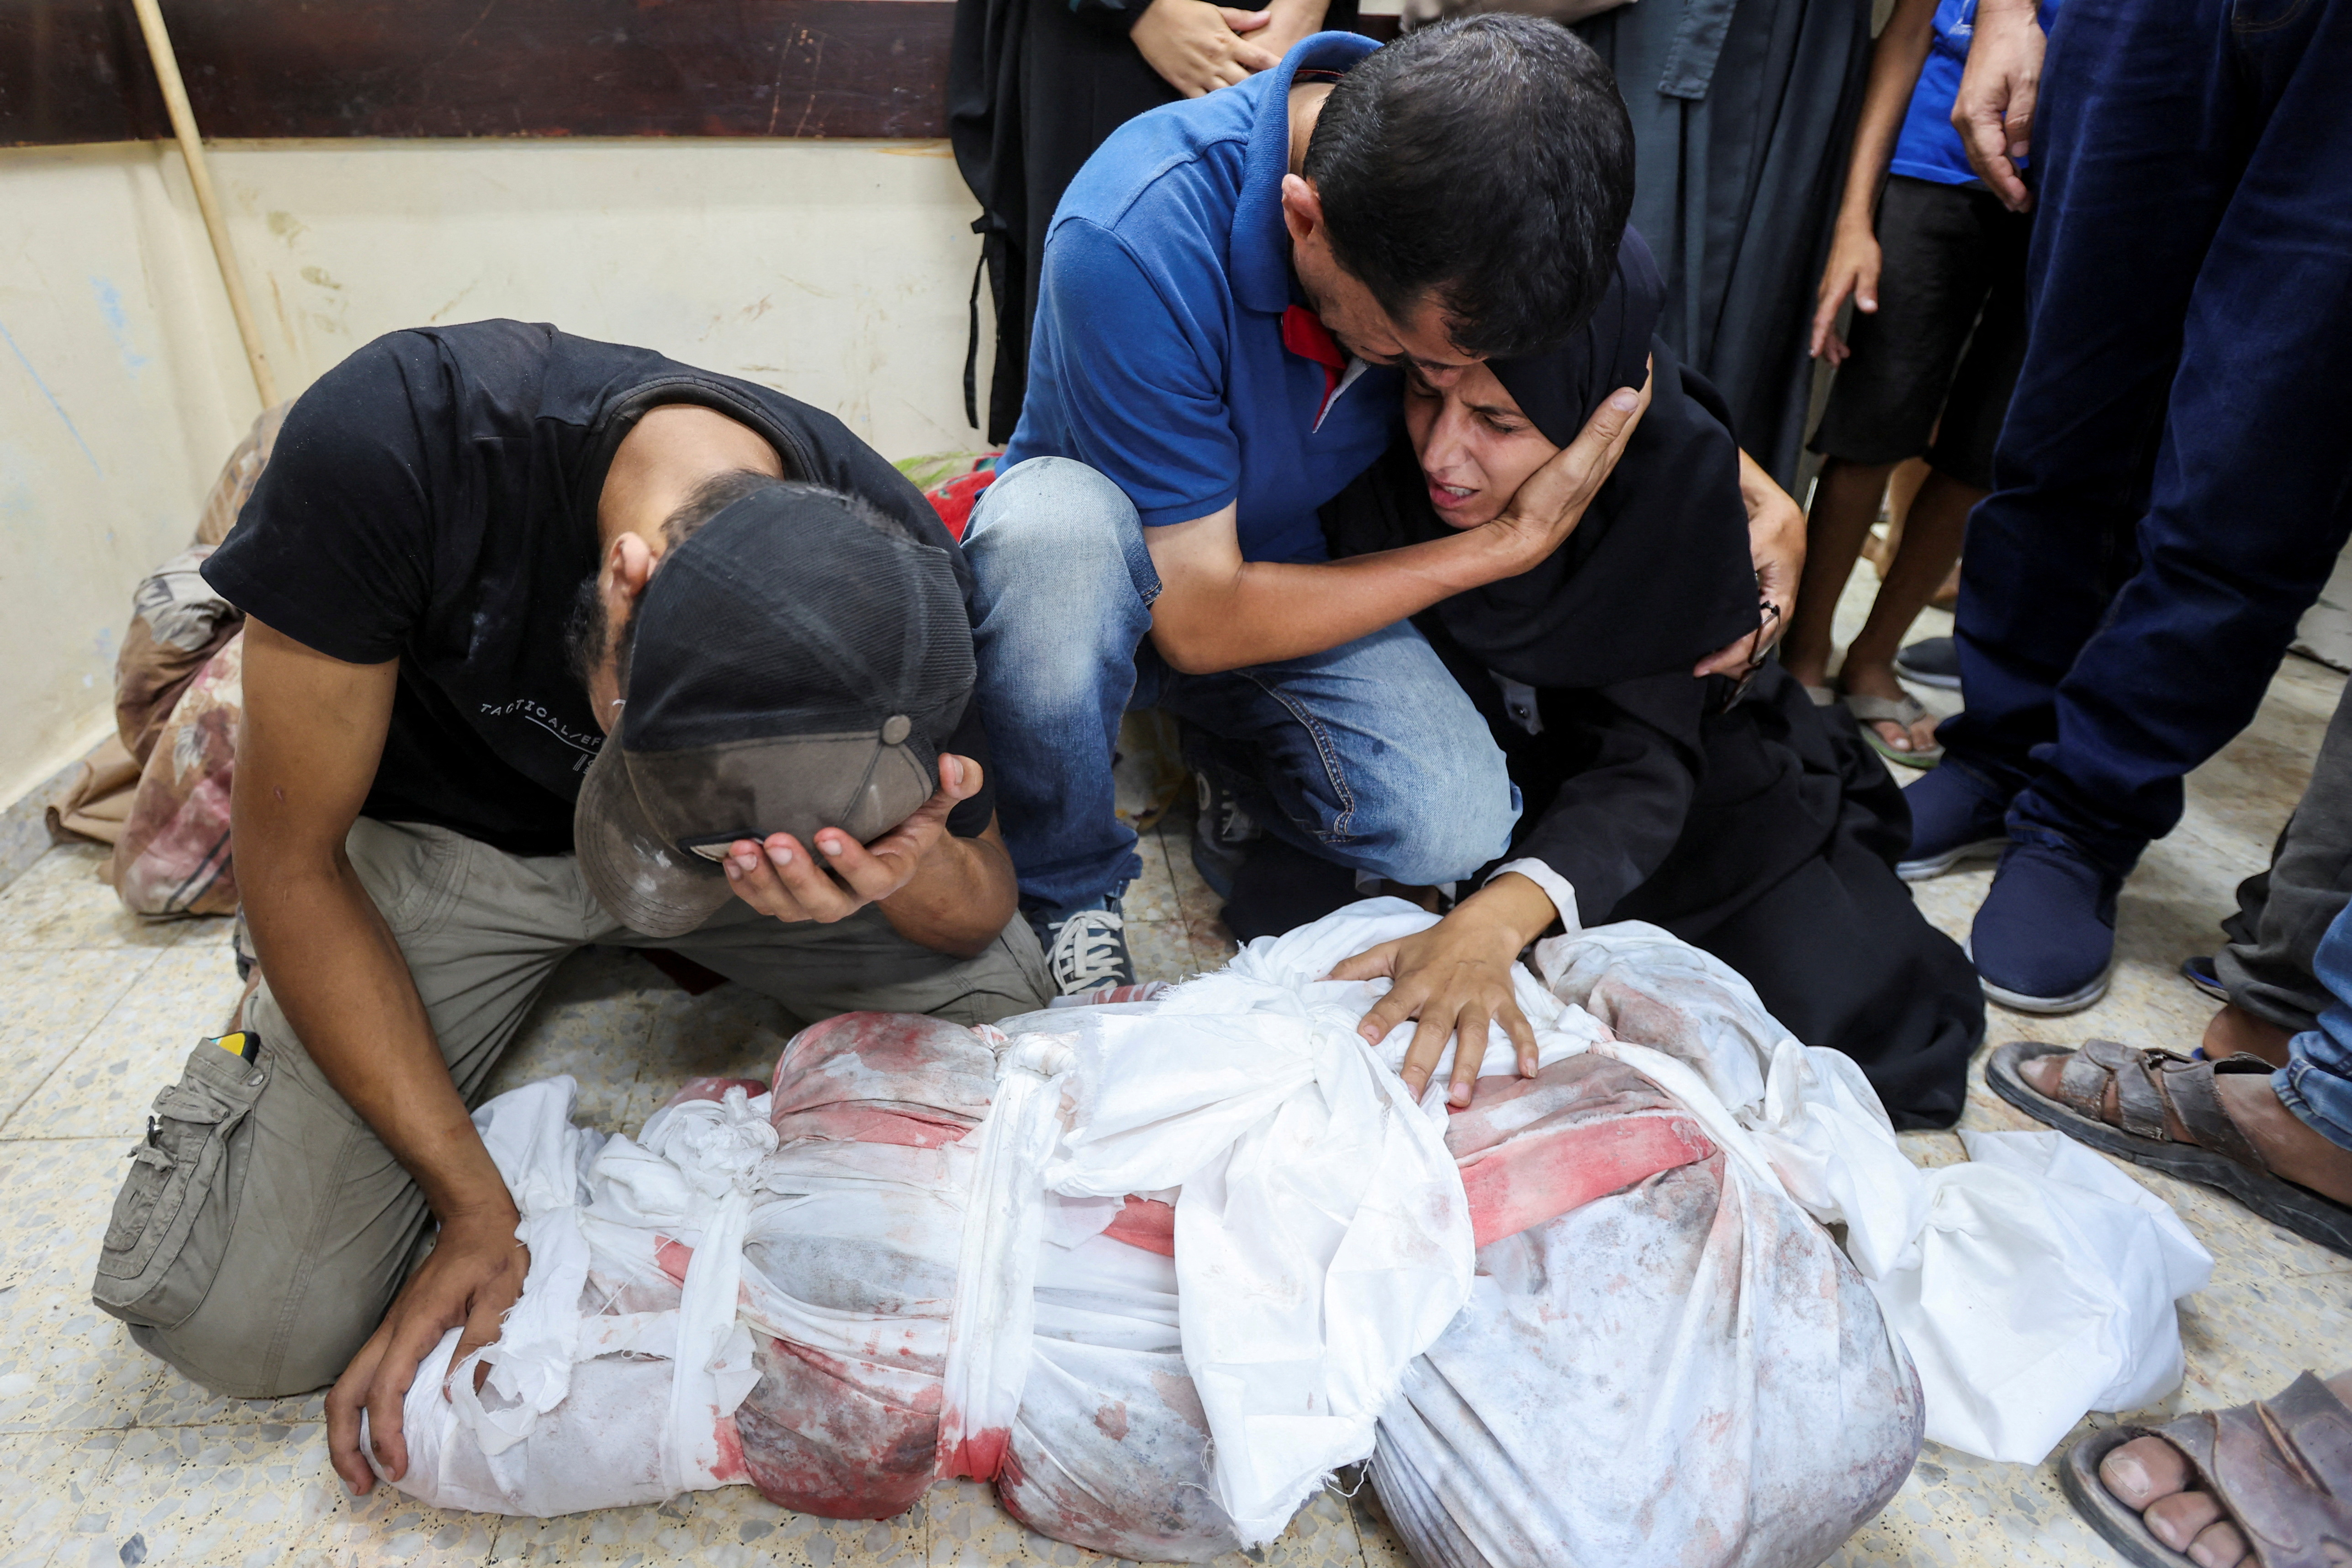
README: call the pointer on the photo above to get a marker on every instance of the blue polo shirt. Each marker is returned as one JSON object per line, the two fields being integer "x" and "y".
{"x": 1159, "y": 355}
{"x": 1927, "y": 147}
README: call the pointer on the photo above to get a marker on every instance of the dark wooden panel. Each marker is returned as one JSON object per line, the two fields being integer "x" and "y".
{"x": 74, "y": 70}
{"x": 482, "y": 67}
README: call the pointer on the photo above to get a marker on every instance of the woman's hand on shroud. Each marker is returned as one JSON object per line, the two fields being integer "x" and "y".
{"x": 1551, "y": 501}
{"x": 1456, "y": 979}
{"x": 1776, "y": 544}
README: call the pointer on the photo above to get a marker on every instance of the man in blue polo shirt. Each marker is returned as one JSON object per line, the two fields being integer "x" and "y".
{"x": 1229, "y": 288}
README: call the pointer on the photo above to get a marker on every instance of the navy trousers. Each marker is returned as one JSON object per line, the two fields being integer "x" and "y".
{"x": 2174, "y": 477}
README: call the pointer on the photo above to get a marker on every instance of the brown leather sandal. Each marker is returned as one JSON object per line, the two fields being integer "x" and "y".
{"x": 2148, "y": 1082}
{"x": 2281, "y": 1468}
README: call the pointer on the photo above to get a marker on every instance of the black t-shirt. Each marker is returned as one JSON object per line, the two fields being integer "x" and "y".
{"x": 433, "y": 499}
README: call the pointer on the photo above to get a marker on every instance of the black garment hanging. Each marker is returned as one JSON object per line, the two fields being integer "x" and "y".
{"x": 1742, "y": 116}
{"x": 1034, "y": 87}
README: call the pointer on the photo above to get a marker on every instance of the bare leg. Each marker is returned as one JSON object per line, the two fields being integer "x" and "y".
{"x": 1931, "y": 543}
{"x": 1845, "y": 503}
{"x": 2235, "y": 1029}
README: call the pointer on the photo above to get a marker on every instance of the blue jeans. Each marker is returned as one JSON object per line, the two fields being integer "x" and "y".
{"x": 2317, "y": 1082}
{"x": 1369, "y": 755}
{"x": 2180, "y": 425}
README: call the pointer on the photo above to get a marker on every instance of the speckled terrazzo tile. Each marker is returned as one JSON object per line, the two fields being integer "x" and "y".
{"x": 733, "y": 1527}
{"x": 50, "y": 1483}
{"x": 173, "y": 1401}
{"x": 1153, "y": 895}
{"x": 1195, "y": 897}
{"x": 103, "y": 1088}
{"x": 1160, "y": 949}
{"x": 592, "y": 1021}
{"x": 64, "y": 1364}
{"x": 63, "y": 902}
{"x": 1382, "y": 1547}
{"x": 1959, "y": 1512}
{"x": 2248, "y": 1340}
{"x": 48, "y": 1007}
{"x": 1213, "y": 946}
{"x": 207, "y": 931}
{"x": 257, "y": 1497}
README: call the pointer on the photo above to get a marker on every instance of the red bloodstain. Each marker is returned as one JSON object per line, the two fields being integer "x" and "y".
{"x": 730, "y": 1466}
{"x": 673, "y": 1255}
{"x": 979, "y": 1456}
{"x": 1145, "y": 1223}
{"x": 1112, "y": 1420}
{"x": 1543, "y": 1173}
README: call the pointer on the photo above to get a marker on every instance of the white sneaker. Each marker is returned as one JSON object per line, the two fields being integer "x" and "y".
{"x": 1086, "y": 949}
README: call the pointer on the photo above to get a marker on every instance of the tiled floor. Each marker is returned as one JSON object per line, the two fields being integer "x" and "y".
{"x": 108, "y": 1458}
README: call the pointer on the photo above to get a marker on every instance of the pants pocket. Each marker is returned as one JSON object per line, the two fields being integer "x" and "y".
{"x": 170, "y": 1224}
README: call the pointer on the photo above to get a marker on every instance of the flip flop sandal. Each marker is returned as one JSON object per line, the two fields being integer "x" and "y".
{"x": 2282, "y": 1469}
{"x": 1870, "y": 712}
{"x": 2146, "y": 1083}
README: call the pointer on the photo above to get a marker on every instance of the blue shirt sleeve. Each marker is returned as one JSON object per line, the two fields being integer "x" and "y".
{"x": 1137, "y": 375}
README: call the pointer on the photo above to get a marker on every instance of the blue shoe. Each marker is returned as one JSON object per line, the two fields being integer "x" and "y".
{"x": 2045, "y": 936}
{"x": 1931, "y": 662}
{"x": 1952, "y": 820}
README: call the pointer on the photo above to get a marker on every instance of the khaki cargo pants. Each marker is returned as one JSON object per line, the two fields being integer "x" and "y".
{"x": 263, "y": 1229}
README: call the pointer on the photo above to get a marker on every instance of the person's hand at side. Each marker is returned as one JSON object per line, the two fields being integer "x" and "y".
{"x": 1993, "y": 110}
{"x": 1552, "y": 500}
{"x": 1455, "y": 979}
{"x": 1852, "y": 273}
{"x": 1198, "y": 48}
{"x": 473, "y": 1275}
{"x": 1776, "y": 546}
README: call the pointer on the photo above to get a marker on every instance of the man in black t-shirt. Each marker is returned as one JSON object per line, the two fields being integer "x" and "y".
{"x": 549, "y": 642}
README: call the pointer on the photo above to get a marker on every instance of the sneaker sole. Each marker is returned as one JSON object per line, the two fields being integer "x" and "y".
{"x": 2047, "y": 1007}
{"x": 2211, "y": 988}
{"x": 1928, "y": 867}
{"x": 1939, "y": 683}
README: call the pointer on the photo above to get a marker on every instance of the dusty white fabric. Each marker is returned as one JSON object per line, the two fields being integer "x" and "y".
{"x": 2031, "y": 1285}
{"x": 1322, "y": 1239}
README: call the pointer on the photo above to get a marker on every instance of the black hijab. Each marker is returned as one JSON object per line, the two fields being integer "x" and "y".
{"x": 1657, "y": 576}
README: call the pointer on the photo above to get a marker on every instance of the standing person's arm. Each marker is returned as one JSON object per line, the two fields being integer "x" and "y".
{"x": 1198, "y": 48}
{"x": 1853, "y": 268}
{"x": 314, "y": 730}
{"x": 1993, "y": 110}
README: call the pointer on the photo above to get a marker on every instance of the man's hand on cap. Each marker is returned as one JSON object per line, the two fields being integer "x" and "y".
{"x": 780, "y": 877}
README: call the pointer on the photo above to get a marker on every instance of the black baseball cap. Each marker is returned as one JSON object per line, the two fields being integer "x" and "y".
{"x": 794, "y": 665}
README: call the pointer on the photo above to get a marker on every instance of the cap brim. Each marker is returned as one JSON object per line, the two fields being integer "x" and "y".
{"x": 645, "y": 882}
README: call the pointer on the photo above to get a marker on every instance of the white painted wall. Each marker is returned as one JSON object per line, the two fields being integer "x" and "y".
{"x": 835, "y": 271}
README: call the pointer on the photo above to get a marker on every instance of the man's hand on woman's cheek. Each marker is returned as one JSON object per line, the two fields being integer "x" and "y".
{"x": 780, "y": 877}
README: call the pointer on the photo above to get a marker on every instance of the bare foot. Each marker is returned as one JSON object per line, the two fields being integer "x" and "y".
{"x": 2234, "y": 1028}
{"x": 1878, "y": 681}
{"x": 2152, "y": 1476}
{"x": 2295, "y": 1151}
